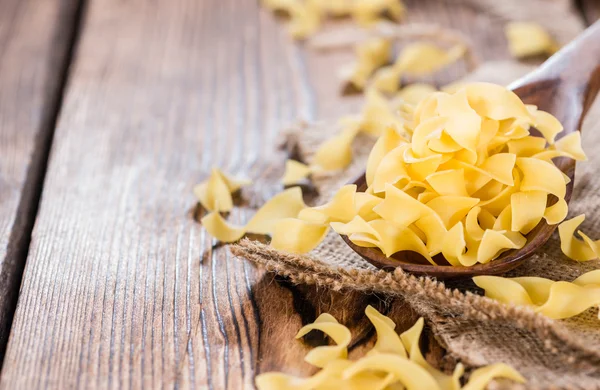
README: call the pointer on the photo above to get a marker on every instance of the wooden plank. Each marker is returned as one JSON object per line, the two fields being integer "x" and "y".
{"x": 34, "y": 41}
{"x": 122, "y": 287}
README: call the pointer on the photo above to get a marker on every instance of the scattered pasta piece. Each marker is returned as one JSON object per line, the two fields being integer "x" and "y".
{"x": 305, "y": 19}
{"x": 295, "y": 171}
{"x": 321, "y": 356}
{"x": 371, "y": 55}
{"x": 414, "y": 93}
{"x": 286, "y": 204}
{"x": 336, "y": 153}
{"x": 214, "y": 194}
{"x": 528, "y": 39}
{"x": 418, "y": 58}
{"x": 220, "y": 229}
{"x": 574, "y": 248}
{"x": 297, "y": 236}
{"x": 282, "y": 206}
{"x": 556, "y": 300}
{"x": 368, "y": 12}
{"x": 307, "y": 16}
{"x": 394, "y": 362}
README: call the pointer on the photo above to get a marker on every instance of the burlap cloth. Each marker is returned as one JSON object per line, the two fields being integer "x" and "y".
{"x": 473, "y": 329}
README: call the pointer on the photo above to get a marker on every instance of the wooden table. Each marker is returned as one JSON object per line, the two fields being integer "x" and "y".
{"x": 110, "y": 111}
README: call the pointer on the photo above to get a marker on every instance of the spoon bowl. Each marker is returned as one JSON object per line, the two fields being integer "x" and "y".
{"x": 565, "y": 86}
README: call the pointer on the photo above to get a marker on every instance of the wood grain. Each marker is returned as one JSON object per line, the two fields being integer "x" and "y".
{"x": 123, "y": 288}
{"x": 34, "y": 43}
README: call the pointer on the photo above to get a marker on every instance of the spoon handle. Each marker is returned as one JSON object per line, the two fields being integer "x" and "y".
{"x": 567, "y": 83}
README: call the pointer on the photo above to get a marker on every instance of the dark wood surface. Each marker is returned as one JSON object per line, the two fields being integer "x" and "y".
{"x": 122, "y": 287}
{"x": 34, "y": 43}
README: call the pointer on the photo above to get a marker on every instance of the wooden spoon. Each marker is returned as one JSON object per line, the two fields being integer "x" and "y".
{"x": 565, "y": 85}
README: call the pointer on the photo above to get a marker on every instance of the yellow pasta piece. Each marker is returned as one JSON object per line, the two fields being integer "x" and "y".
{"x": 450, "y": 182}
{"x": 410, "y": 339}
{"x": 464, "y": 124}
{"x": 494, "y": 242}
{"x": 330, "y": 377}
{"x": 234, "y": 183}
{"x": 341, "y": 208}
{"x": 527, "y": 146}
{"x": 214, "y": 194}
{"x": 337, "y": 7}
{"x": 472, "y": 226}
{"x": 481, "y": 377}
{"x": 452, "y": 209}
{"x": 364, "y": 205}
{"x": 391, "y": 170}
{"x": 528, "y": 209}
{"x": 574, "y": 248}
{"x": 305, "y": 19}
{"x": 279, "y": 5}
{"x": 220, "y": 229}
{"x": 498, "y": 202}
{"x": 417, "y": 58}
{"x": 322, "y": 355}
{"x": 420, "y": 168}
{"x": 389, "y": 140}
{"x": 557, "y": 212}
{"x": 295, "y": 171}
{"x": 500, "y": 167}
{"x": 387, "y": 79}
{"x": 401, "y": 208}
{"x": 286, "y": 204}
{"x": 459, "y": 251}
{"x": 410, "y": 374}
{"x": 571, "y": 146}
{"x": 547, "y": 124}
{"x": 414, "y": 93}
{"x": 357, "y": 225}
{"x": 371, "y": 55}
{"x": 556, "y": 300}
{"x": 539, "y": 175}
{"x": 426, "y": 131}
{"x": 425, "y": 57}
{"x": 495, "y": 102}
{"x": 387, "y": 339}
{"x": 454, "y": 86}
{"x": 367, "y": 12}
{"x": 393, "y": 239}
{"x": 528, "y": 39}
{"x": 377, "y": 114}
{"x": 336, "y": 153}
{"x": 433, "y": 228}
{"x": 568, "y": 146}
{"x": 297, "y": 236}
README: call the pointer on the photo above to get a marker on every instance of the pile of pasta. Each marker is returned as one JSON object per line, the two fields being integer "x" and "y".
{"x": 394, "y": 362}
{"x": 307, "y": 16}
{"x": 556, "y": 300}
{"x": 461, "y": 175}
